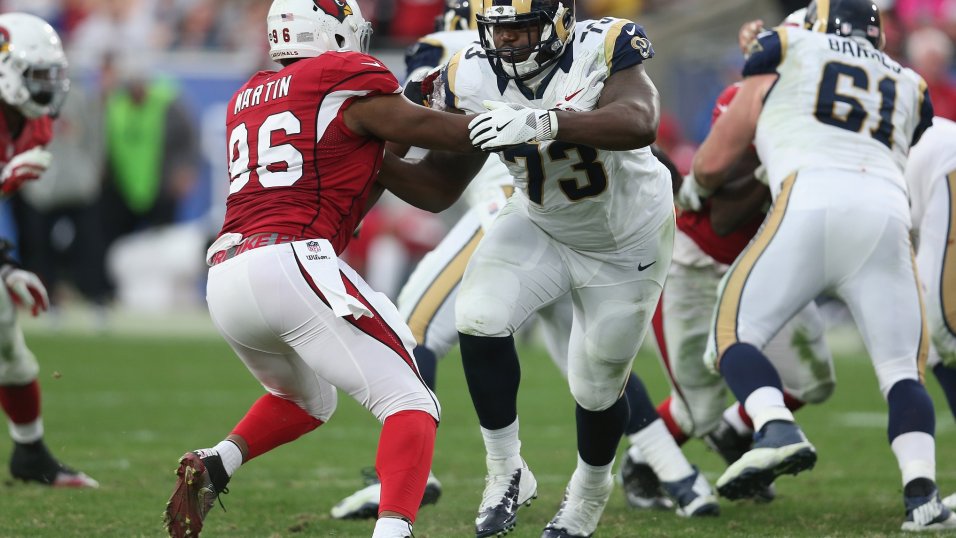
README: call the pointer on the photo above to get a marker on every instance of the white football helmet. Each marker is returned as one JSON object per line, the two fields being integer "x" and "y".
{"x": 307, "y": 28}
{"x": 32, "y": 65}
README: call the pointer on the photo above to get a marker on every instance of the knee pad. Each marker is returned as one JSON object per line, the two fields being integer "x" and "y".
{"x": 18, "y": 366}
{"x": 816, "y": 394}
{"x": 891, "y": 372}
{"x": 321, "y": 408}
{"x": 594, "y": 396}
{"x": 482, "y": 316}
{"x": 419, "y": 400}
{"x": 698, "y": 410}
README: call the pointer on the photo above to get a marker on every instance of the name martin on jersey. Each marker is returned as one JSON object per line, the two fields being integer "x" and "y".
{"x": 847, "y": 46}
{"x": 274, "y": 89}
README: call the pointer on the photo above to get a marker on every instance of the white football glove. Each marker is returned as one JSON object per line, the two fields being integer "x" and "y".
{"x": 690, "y": 195}
{"x": 581, "y": 91}
{"x": 26, "y": 289}
{"x": 508, "y": 124}
{"x": 26, "y": 166}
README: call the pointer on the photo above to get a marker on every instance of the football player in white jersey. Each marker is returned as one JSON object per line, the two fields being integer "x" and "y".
{"x": 833, "y": 119}
{"x": 591, "y": 217}
{"x": 931, "y": 179}
{"x": 427, "y": 303}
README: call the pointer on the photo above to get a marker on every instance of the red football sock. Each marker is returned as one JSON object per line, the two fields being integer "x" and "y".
{"x": 403, "y": 461}
{"x": 21, "y": 402}
{"x": 792, "y": 403}
{"x": 745, "y": 417}
{"x": 664, "y": 410}
{"x": 271, "y": 422}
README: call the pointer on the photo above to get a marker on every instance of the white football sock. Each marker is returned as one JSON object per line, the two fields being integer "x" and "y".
{"x": 392, "y": 527}
{"x": 230, "y": 454}
{"x": 30, "y": 432}
{"x": 732, "y": 417}
{"x": 916, "y": 454}
{"x": 634, "y": 451}
{"x": 590, "y": 481}
{"x": 766, "y": 404}
{"x": 662, "y": 452}
{"x": 502, "y": 444}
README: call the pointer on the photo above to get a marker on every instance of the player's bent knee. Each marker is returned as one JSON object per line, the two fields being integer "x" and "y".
{"x": 424, "y": 401}
{"x": 19, "y": 368}
{"x": 816, "y": 394}
{"x": 593, "y": 397}
{"x": 479, "y": 320}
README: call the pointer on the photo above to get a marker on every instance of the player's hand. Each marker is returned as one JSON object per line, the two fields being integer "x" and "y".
{"x": 747, "y": 34}
{"x": 27, "y": 166}
{"x": 581, "y": 91}
{"x": 508, "y": 124}
{"x": 690, "y": 195}
{"x": 26, "y": 289}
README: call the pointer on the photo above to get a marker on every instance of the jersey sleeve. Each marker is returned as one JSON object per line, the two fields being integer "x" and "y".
{"x": 426, "y": 53}
{"x": 358, "y": 71}
{"x": 723, "y": 101}
{"x": 626, "y": 45}
{"x": 766, "y": 53}
{"x": 37, "y": 132}
{"x": 925, "y": 114}
{"x": 461, "y": 80}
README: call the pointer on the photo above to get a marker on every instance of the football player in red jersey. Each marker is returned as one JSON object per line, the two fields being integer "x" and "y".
{"x": 33, "y": 85}
{"x": 305, "y": 147}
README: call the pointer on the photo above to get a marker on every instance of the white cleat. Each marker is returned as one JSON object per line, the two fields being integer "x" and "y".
{"x": 363, "y": 504}
{"x": 508, "y": 486}
{"x": 950, "y": 502}
{"x": 578, "y": 516}
{"x": 694, "y": 496}
{"x": 779, "y": 448}
{"x": 927, "y": 514}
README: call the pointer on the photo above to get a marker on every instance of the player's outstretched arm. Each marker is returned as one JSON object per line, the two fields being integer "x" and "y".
{"x": 740, "y": 199}
{"x": 432, "y": 183}
{"x": 627, "y": 116}
{"x": 732, "y": 134}
{"x": 396, "y": 119}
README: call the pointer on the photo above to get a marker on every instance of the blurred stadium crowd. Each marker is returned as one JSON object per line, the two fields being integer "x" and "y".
{"x": 137, "y": 185}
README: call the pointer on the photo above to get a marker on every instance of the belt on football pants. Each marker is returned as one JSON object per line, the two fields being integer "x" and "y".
{"x": 249, "y": 243}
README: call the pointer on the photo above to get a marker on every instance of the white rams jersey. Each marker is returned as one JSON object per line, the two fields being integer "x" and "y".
{"x": 930, "y": 161}
{"x": 436, "y": 49}
{"x": 839, "y": 103}
{"x": 582, "y": 196}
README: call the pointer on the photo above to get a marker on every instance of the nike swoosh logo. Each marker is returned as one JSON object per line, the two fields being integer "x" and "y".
{"x": 631, "y": 30}
{"x": 642, "y": 267}
{"x": 373, "y": 64}
{"x": 505, "y": 125}
{"x": 568, "y": 98}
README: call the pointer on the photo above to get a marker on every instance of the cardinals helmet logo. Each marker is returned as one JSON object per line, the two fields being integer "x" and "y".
{"x": 336, "y": 8}
{"x": 4, "y": 40}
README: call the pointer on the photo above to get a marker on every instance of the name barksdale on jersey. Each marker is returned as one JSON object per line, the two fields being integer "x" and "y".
{"x": 852, "y": 48}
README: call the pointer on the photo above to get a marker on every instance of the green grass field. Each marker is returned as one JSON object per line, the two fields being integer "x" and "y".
{"x": 124, "y": 409}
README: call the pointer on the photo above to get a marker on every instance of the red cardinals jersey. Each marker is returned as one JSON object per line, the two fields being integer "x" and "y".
{"x": 295, "y": 168}
{"x": 696, "y": 224}
{"x": 36, "y": 132}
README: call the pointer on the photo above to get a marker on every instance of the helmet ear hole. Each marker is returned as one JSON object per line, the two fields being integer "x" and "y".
{"x": 340, "y": 40}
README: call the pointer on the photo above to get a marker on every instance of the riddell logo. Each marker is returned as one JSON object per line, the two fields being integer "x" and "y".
{"x": 336, "y": 8}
